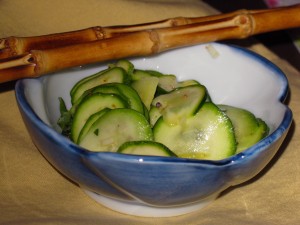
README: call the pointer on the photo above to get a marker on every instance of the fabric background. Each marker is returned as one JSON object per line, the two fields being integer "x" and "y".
{"x": 33, "y": 192}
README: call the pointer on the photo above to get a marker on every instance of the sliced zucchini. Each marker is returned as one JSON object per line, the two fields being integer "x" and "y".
{"x": 112, "y": 75}
{"x": 180, "y": 103}
{"x": 207, "y": 135}
{"x": 146, "y": 113}
{"x": 90, "y": 121}
{"x": 154, "y": 73}
{"x": 248, "y": 129}
{"x": 193, "y": 82}
{"x": 115, "y": 128}
{"x": 145, "y": 148}
{"x": 167, "y": 83}
{"x": 98, "y": 89}
{"x": 146, "y": 88}
{"x": 138, "y": 74}
{"x": 154, "y": 115}
{"x": 80, "y": 82}
{"x": 125, "y": 64}
{"x": 125, "y": 91}
{"x": 90, "y": 105}
{"x": 186, "y": 83}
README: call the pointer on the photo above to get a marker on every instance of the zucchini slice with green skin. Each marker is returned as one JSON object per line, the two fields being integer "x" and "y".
{"x": 124, "y": 91}
{"x": 112, "y": 75}
{"x": 166, "y": 82}
{"x": 90, "y": 121}
{"x": 209, "y": 134}
{"x": 154, "y": 73}
{"x": 145, "y": 148}
{"x": 130, "y": 95}
{"x": 98, "y": 89}
{"x": 90, "y": 105}
{"x": 139, "y": 74}
{"x": 180, "y": 103}
{"x": 115, "y": 128}
{"x": 146, "y": 113}
{"x": 146, "y": 88}
{"x": 125, "y": 64}
{"x": 80, "y": 82}
{"x": 248, "y": 129}
{"x": 154, "y": 115}
{"x": 186, "y": 83}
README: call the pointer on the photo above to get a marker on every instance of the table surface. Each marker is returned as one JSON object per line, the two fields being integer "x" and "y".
{"x": 33, "y": 192}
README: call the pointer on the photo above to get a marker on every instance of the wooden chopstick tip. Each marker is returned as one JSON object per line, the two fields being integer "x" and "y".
{"x": 2, "y": 44}
{"x": 17, "y": 61}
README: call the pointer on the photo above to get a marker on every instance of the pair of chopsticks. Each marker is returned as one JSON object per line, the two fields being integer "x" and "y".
{"x": 23, "y": 57}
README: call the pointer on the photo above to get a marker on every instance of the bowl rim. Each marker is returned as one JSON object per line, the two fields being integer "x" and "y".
{"x": 55, "y": 136}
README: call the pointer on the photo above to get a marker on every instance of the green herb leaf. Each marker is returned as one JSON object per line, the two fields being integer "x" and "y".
{"x": 65, "y": 119}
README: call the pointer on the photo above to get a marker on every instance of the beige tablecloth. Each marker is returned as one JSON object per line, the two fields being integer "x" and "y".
{"x": 33, "y": 192}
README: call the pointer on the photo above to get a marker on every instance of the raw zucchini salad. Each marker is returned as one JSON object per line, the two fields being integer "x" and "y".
{"x": 127, "y": 110}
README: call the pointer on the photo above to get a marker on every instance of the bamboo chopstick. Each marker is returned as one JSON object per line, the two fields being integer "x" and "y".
{"x": 49, "y": 53}
{"x": 12, "y": 46}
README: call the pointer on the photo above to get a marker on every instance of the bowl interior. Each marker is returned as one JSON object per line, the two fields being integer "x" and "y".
{"x": 235, "y": 76}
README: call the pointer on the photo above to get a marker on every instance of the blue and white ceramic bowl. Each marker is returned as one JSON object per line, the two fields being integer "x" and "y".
{"x": 162, "y": 186}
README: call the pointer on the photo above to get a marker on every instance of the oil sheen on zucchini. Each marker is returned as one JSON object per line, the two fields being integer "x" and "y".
{"x": 207, "y": 135}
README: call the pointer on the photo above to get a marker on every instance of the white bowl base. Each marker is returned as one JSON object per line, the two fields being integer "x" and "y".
{"x": 147, "y": 211}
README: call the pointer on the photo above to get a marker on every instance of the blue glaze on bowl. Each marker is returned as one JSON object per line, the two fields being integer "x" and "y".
{"x": 162, "y": 181}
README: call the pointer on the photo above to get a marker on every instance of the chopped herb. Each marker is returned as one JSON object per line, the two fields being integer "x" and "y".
{"x": 65, "y": 119}
{"x": 96, "y": 132}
